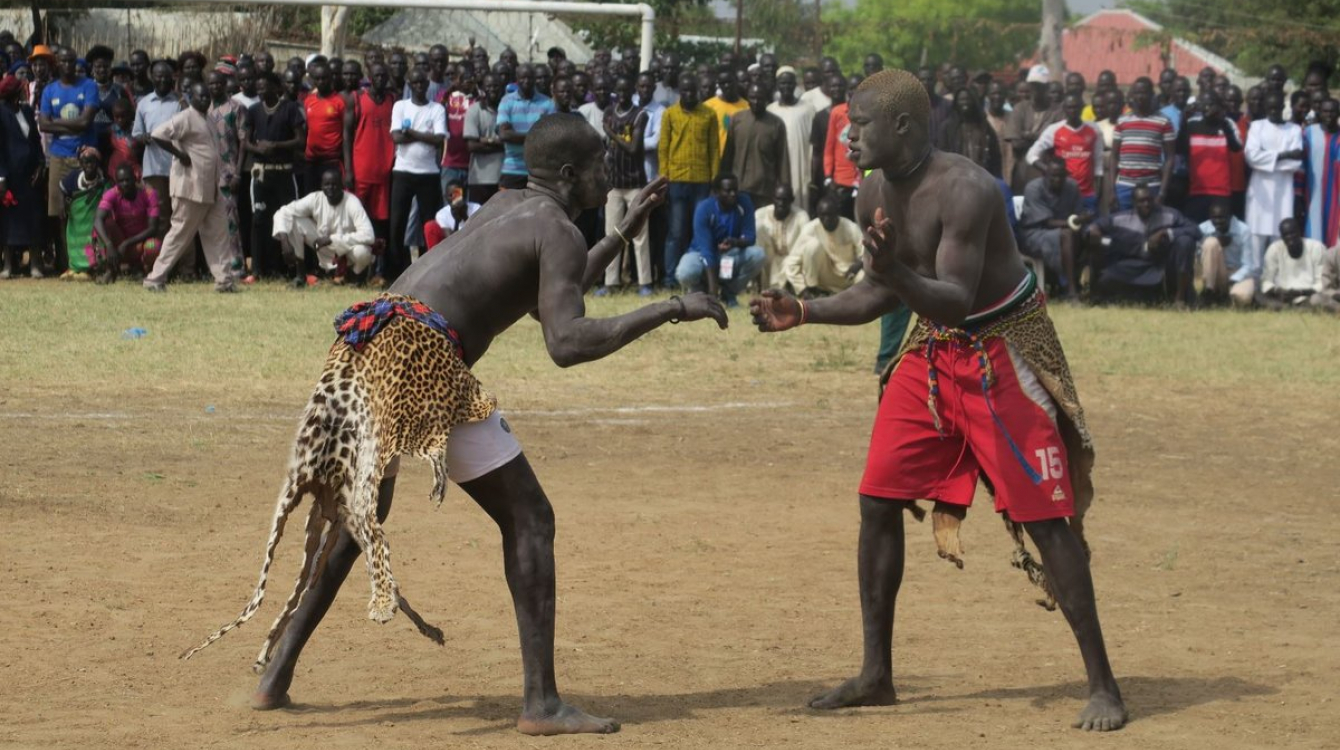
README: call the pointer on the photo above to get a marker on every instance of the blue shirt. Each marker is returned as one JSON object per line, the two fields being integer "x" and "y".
{"x": 61, "y": 102}
{"x": 712, "y": 225}
{"x": 1239, "y": 259}
{"x": 521, "y": 114}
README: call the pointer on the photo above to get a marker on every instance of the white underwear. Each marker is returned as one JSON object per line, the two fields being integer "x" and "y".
{"x": 475, "y": 449}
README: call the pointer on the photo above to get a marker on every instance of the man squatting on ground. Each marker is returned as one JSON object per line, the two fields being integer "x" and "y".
{"x": 984, "y": 359}
{"x": 398, "y": 381}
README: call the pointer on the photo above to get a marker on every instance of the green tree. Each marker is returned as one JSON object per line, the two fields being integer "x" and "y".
{"x": 975, "y": 33}
{"x": 1255, "y": 34}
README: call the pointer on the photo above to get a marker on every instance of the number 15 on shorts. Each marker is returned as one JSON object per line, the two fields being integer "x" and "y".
{"x": 1049, "y": 459}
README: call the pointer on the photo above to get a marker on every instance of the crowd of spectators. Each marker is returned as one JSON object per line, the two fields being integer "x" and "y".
{"x": 347, "y": 170}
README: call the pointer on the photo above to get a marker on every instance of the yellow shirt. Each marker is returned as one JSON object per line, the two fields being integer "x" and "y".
{"x": 724, "y": 110}
{"x": 689, "y": 149}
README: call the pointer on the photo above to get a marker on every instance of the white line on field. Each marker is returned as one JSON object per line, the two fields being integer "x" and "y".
{"x": 114, "y": 416}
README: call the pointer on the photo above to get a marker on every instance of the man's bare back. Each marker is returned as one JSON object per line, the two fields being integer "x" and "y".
{"x": 486, "y": 276}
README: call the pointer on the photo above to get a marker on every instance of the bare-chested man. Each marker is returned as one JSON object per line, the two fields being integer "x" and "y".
{"x": 520, "y": 253}
{"x": 964, "y": 399}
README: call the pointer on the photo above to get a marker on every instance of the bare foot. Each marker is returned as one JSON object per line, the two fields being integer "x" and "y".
{"x": 1105, "y": 713}
{"x": 566, "y": 720}
{"x": 262, "y": 700}
{"x": 856, "y": 692}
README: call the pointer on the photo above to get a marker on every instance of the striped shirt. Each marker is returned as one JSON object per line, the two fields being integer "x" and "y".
{"x": 1139, "y": 143}
{"x": 521, "y": 114}
{"x": 689, "y": 151}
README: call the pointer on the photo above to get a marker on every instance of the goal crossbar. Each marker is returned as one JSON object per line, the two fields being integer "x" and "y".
{"x": 640, "y": 10}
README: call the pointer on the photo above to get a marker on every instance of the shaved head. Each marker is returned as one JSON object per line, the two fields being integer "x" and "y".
{"x": 561, "y": 138}
{"x": 890, "y": 93}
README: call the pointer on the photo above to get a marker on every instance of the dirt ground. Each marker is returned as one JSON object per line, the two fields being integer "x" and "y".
{"x": 707, "y": 580}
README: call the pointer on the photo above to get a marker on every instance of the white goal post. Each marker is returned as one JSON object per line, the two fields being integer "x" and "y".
{"x": 640, "y": 10}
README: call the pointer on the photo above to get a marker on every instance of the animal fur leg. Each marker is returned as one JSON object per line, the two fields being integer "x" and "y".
{"x": 315, "y": 521}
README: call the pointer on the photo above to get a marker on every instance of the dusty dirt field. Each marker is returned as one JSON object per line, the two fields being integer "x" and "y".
{"x": 706, "y": 565}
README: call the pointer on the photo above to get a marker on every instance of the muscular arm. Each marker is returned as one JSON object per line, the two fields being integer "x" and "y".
{"x": 856, "y": 305}
{"x": 608, "y": 248}
{"x": 570, "y": 336}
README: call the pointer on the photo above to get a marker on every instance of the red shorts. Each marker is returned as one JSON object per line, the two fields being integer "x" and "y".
{"x": 1022, "y": 454}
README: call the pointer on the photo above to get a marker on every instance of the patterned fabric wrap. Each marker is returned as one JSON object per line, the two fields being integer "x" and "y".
{"x": 360, "y": 323}
{"x": 1025, "y": 325}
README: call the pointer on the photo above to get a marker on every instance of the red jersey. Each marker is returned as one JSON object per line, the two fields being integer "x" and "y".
{"x": 457, "y": 156}
{"x": 1207, "y": 149}
{"x": 836, "y": 164}
{"x": 374, "y": 153}
{"x": 325, "y": 127}
{"x": 1080, "y": 148}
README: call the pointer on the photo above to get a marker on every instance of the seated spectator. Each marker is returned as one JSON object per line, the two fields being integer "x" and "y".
{"x": 723, "y": 255}
{"x": 455, "y": 210}
{"x": 330, "y": 221}
{"x": 1228, "y": 268}
{"x": 82, "y": 190}
{"x": 1148, "y": 249}
{"x": 826, "y": 257}
{"x": 777, "y": 227}
{"x": 127, "y": 226}
{"x": 1293, "y": 272}
{"x": 1049, "y": 229}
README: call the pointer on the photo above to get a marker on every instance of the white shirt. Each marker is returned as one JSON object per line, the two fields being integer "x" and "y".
{"x": 244, "y": 100}
{"x": 799, "y": 120}
{"x": 447, "y": 220}
{"x": 346, "y": 224}
{"x": 1283, "y": 271}
{"x": 816, "y": 98}
{"x": 594, "y": 115}
{"x": 651, "y": 140}
{"x": 417, "y": 157}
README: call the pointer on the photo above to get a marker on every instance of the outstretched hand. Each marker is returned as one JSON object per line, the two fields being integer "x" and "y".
{"x": 775, "y": 311}
{"x": 700, "y": 305}
{"x": 880, "y": 244}
{"x": 646, "y": 201}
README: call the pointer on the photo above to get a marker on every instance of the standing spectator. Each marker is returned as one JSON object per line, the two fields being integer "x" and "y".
{"x": 121, "y": 144}
{"x": 20, "y": 169}
{"x": 191, "y": 70}
{"x": 99, "y": 60}
{"x": 725, "y": 255}
{"x": 1275, "y": 153}
{"x": 1026, "y": 124}
{"x": 369, "y": 150}
{"x": 837, "y": 89}
{"x": 840, "y": 173}
{"x": 246, "y": 86}
{"x": 438, "y": 83}
{"x": 1294, "y": 269}
{"x": 1176, "y": 106}
{"x": 273, "y": 133}
{"x": 324, "y": 110}
{"x": 456, "y": 157}
{"x": 151, "y": 111}
{"x": 688, "y": 156}
{"x": 141, "y": 85}
{"x": 777, "y": 228}
{"x": 667, "y": 88}
{"x": 826, "y": 256}
{"x": 198, "y": 205}
{"x": 942, "y": 110}
{"x": 1143, "y": 146}
{"x": 1105, "y": 83}
{"x": 1321, "y": 166}
{"x": 625, "y": 128}
{"x": 484, "y": 142}
{"x": 1226, "y": 258}
{"x": 798, "y": 117}
{"x": 420, "y": 129}
{"x": 69, "y": 105}
{"x": 651, "y": 142}
{"x": 1051, "y": 221}
{"x": 1149, "y": 249}
{"x": 330, "y": 221}
{"x": 594, "y": 110}
{"x": 821, "y": 96}
{"x": 998, "y": 116}
{"x": 969, "y": 134}
{"x": 517, "y": 113}
{"x": 1079, "y": 145}
{"x": 225, "y": 122}
{"x": 126, "y": 224}
{"x": 1111, "y": 107}
{"x": 756, "y": 148}
{"x": 1205, "y": 142}
{"x": 562, "y": 90}
{"x": 726, "y": 103}
{"x": 398, "y": 67}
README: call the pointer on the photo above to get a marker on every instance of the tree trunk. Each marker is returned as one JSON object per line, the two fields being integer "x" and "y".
{"x": 1049, "y": 45}
{"x": 334, "y": 24}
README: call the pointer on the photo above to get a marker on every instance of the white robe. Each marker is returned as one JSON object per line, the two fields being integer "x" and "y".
{"x": 777, "y": 238}
{"x": 820, "y": 258}
{"x": 799, "y": 119}
{"x": 1270, "y": 192}
{"x": 347, "y": 225}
